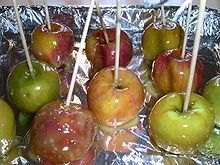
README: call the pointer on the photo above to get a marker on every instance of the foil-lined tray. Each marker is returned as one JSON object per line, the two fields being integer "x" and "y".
{"x": 134, "y": 21}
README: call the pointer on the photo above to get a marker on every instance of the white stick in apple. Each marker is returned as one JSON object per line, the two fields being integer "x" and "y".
{"x": 47, "y": 15}
{"x": 79, "y": 54}
{"x": 163, "y": 15}
{"x": 117, "y": 49}
{"x": 102, "y": 22}
{"x": 24, "y": 43}
{"x": 195, "y": 53}
{"x": 186, "y": 31}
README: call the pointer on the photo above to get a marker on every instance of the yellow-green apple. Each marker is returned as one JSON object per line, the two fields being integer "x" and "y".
{"x": 102, "y": 54}
{"x": 114, "y": 105}
{"x": 7, "y": 127}
{"x": 120, "y": 139}
{"x": 170, "y": 72}
{"x": 158, "y": 38}
{"x": 212, "y": 93}
{"x": 178, "y": 131}
{"x": 52, "y": 47}
{"x": 61, "y": 133}
{"x": 28, "y": 92}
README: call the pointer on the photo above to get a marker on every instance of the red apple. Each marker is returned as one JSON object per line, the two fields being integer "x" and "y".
{"x": 61, "y": 133}
{"x": 102, "y": 54}
{"x": 7, "y": 127}
{"x": 178, "y": 131}
{"x": 63, "y": 18}
{"x": 30, "y": 92}
{"x": 65, "y": 80}
{"x": 52, "y": 47}
{"x": 115, "y": 105}
{"x": 120, "y": 139}
{"x": 158, "y": 38}
{"x": 170, "y": 72}
{"x": 87, "y": 159}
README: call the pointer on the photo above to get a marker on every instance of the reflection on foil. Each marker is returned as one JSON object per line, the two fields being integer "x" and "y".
{"x": 134, "y": 20}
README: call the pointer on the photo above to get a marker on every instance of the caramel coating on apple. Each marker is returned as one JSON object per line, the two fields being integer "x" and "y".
{"x": 177, "y": 131}
{"x": 61, "y": 133}
{"x": 115, "y": 106}
{"x": 170, "y": 72}
{"x": 52, "y": 47}
{"x": 158, "y": 38}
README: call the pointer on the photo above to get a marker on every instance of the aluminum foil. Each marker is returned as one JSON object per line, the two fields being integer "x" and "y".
{"x": 134, "y": 21}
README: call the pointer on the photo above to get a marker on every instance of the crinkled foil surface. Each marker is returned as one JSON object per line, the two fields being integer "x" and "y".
{"x": 134, "y": 20}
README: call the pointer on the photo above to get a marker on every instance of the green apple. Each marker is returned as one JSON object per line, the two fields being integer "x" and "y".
{"x": 212, "y": 146}
{"x": 7, "y": 127}
{"x": 158, "y": 38}
{"x": 212, "y": 93}
{"x": 30, "y": 92}
{"x": 178, "y": 131}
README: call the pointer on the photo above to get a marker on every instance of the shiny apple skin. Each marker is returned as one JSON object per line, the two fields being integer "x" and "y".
{"x": 170, "y": 72}
{"x": 114, "y": 106}
{"x": 158, "y": 38}
{"x": 102, "y": 55}
{"x": 61, "y": 133}
{"x": 181, "y": 132}
{"x": 212, "y": 93}
{"x": 52, "y": 47}
{"x": 28, "y": 93}
{"x": 7, "y": 127}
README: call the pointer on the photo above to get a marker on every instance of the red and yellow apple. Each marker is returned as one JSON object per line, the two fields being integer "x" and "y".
{"x": 61, "y": 133}
{"x": 52, "y": 47}
{"x": 158, "y": 38}
{"x": 120, "y": 139}
{"x": 212, "y": 93}
{"x": 102, "y": 54}
{"x": 178, "y": 131}
{"x": 170, "y": 72}
{"x": 114, "y": 105}
{"x": 7, "y": 127}
{"x": 28, "y": 92}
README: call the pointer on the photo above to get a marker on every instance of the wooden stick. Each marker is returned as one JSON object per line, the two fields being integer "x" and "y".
{"x": 47, "y": 15}
{"x": 117, "y": 49}
{"x": 187, "y": 31}
{"x": 102, "y": 22}
{"x": 163, "y": 15}
{"x": 24, "y": 43}
{"x": 195, "y": 53}
{"x": 79, "y": 54}
{"x": 181, "y": 9}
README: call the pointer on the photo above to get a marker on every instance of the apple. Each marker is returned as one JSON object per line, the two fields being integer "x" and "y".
{"x": 115, "y": 105}
{"x": 7, "y": 127}
{"x": 102, "y": 54}
{"x": 30, "y": 92}
{"x": 178, "y": 131}
{"x": 87, "y": 159}
{"x": 158, "y": 38}
{"x": 52, "y": 47}
{"x": 61, "y": 133}
{"x": 120, "y": 139}
{"x": 65, "y": 80}
{"x": 63, "y": 18}
{"x": 170, "y": 72}
{"x": 212, "y": 146}
{"x": 212, "y": 93}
